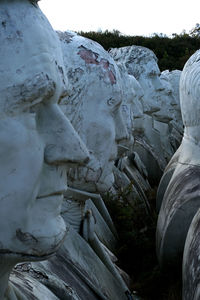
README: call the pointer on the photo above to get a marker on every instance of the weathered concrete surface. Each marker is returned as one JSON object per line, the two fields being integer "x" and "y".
{"x": 24, "y": 287}
{"x": 166, "y": 177}
{"x": 191, "y": 261}
{"x": 180, "y": 203}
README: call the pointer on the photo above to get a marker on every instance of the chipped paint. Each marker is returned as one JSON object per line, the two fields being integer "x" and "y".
{"x": 25, "y": 236}
{"x": 91, "y": 57}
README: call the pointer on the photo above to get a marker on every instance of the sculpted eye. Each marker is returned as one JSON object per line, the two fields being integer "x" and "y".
{"x": 111, "y": 102}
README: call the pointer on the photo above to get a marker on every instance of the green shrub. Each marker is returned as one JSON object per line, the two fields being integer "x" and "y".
{"x": 136, "y": 250}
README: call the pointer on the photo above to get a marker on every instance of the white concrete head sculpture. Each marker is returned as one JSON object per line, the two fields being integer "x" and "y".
{"x": 172, "y": 79}
{"x": 189, "y": 91}
{"x": 190, "y": 109}
{"x": 93, "y": 108}
{"x": 141, "y": 62}
{"x": 36, "y": 138}
{"x": 181, "y": 199}
{"x": 167, "y": 101}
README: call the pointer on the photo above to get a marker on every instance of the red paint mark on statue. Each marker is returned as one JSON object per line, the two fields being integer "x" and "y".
{"x": 88, "y": 56}
{"x": 112, "y": 77}
{"x": 91, "y": 58}
{"x": 106, "y": 66}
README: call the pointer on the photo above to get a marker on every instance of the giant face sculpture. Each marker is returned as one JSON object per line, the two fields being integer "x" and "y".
{"x": 173, "y": 78}
{"x": 166, "y": 113}
{"x": 181, "y": 199}
{"x": 93, "y": 108}
{"x": 141, "y": 62}
{"x": 36, "y": 138}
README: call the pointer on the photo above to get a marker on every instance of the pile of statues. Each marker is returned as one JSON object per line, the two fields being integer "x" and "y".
{"x": 77, "y": 121}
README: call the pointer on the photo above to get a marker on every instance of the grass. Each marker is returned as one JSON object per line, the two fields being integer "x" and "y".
{"x": 136, "y": 250}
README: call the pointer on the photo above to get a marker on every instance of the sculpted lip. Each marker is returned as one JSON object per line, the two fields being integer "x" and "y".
{"x": 54, "y": 193}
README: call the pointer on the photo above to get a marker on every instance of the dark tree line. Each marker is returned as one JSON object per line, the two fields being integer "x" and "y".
{"x": 172, "y": 52}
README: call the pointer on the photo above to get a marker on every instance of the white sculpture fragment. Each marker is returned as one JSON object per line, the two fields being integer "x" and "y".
{"x": 25, "y": 287}
{"x": 181, "y": 200}
{"x": 36, "y": 138}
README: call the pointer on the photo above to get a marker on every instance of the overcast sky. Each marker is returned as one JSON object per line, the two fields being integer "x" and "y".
{"x": 130, "y": 17}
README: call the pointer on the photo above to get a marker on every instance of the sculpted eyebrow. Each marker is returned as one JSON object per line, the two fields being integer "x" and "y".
{"x": 28, "y": 93}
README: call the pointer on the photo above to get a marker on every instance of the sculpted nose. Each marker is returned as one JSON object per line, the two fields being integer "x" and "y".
{"x": 63, "y": 144}
{"x": 120, "y": 128}
{"x": 173, "y": 101}
{"x": 158, "y": 85}
{"x": 69, "y": 148}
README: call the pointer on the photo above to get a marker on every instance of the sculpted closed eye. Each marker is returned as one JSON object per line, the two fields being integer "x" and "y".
{"x": 114, "y": 105}
{"x": 111, "y": 101}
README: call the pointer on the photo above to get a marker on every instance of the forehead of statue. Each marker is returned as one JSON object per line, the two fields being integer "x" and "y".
{"x": 29, "y": 53}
